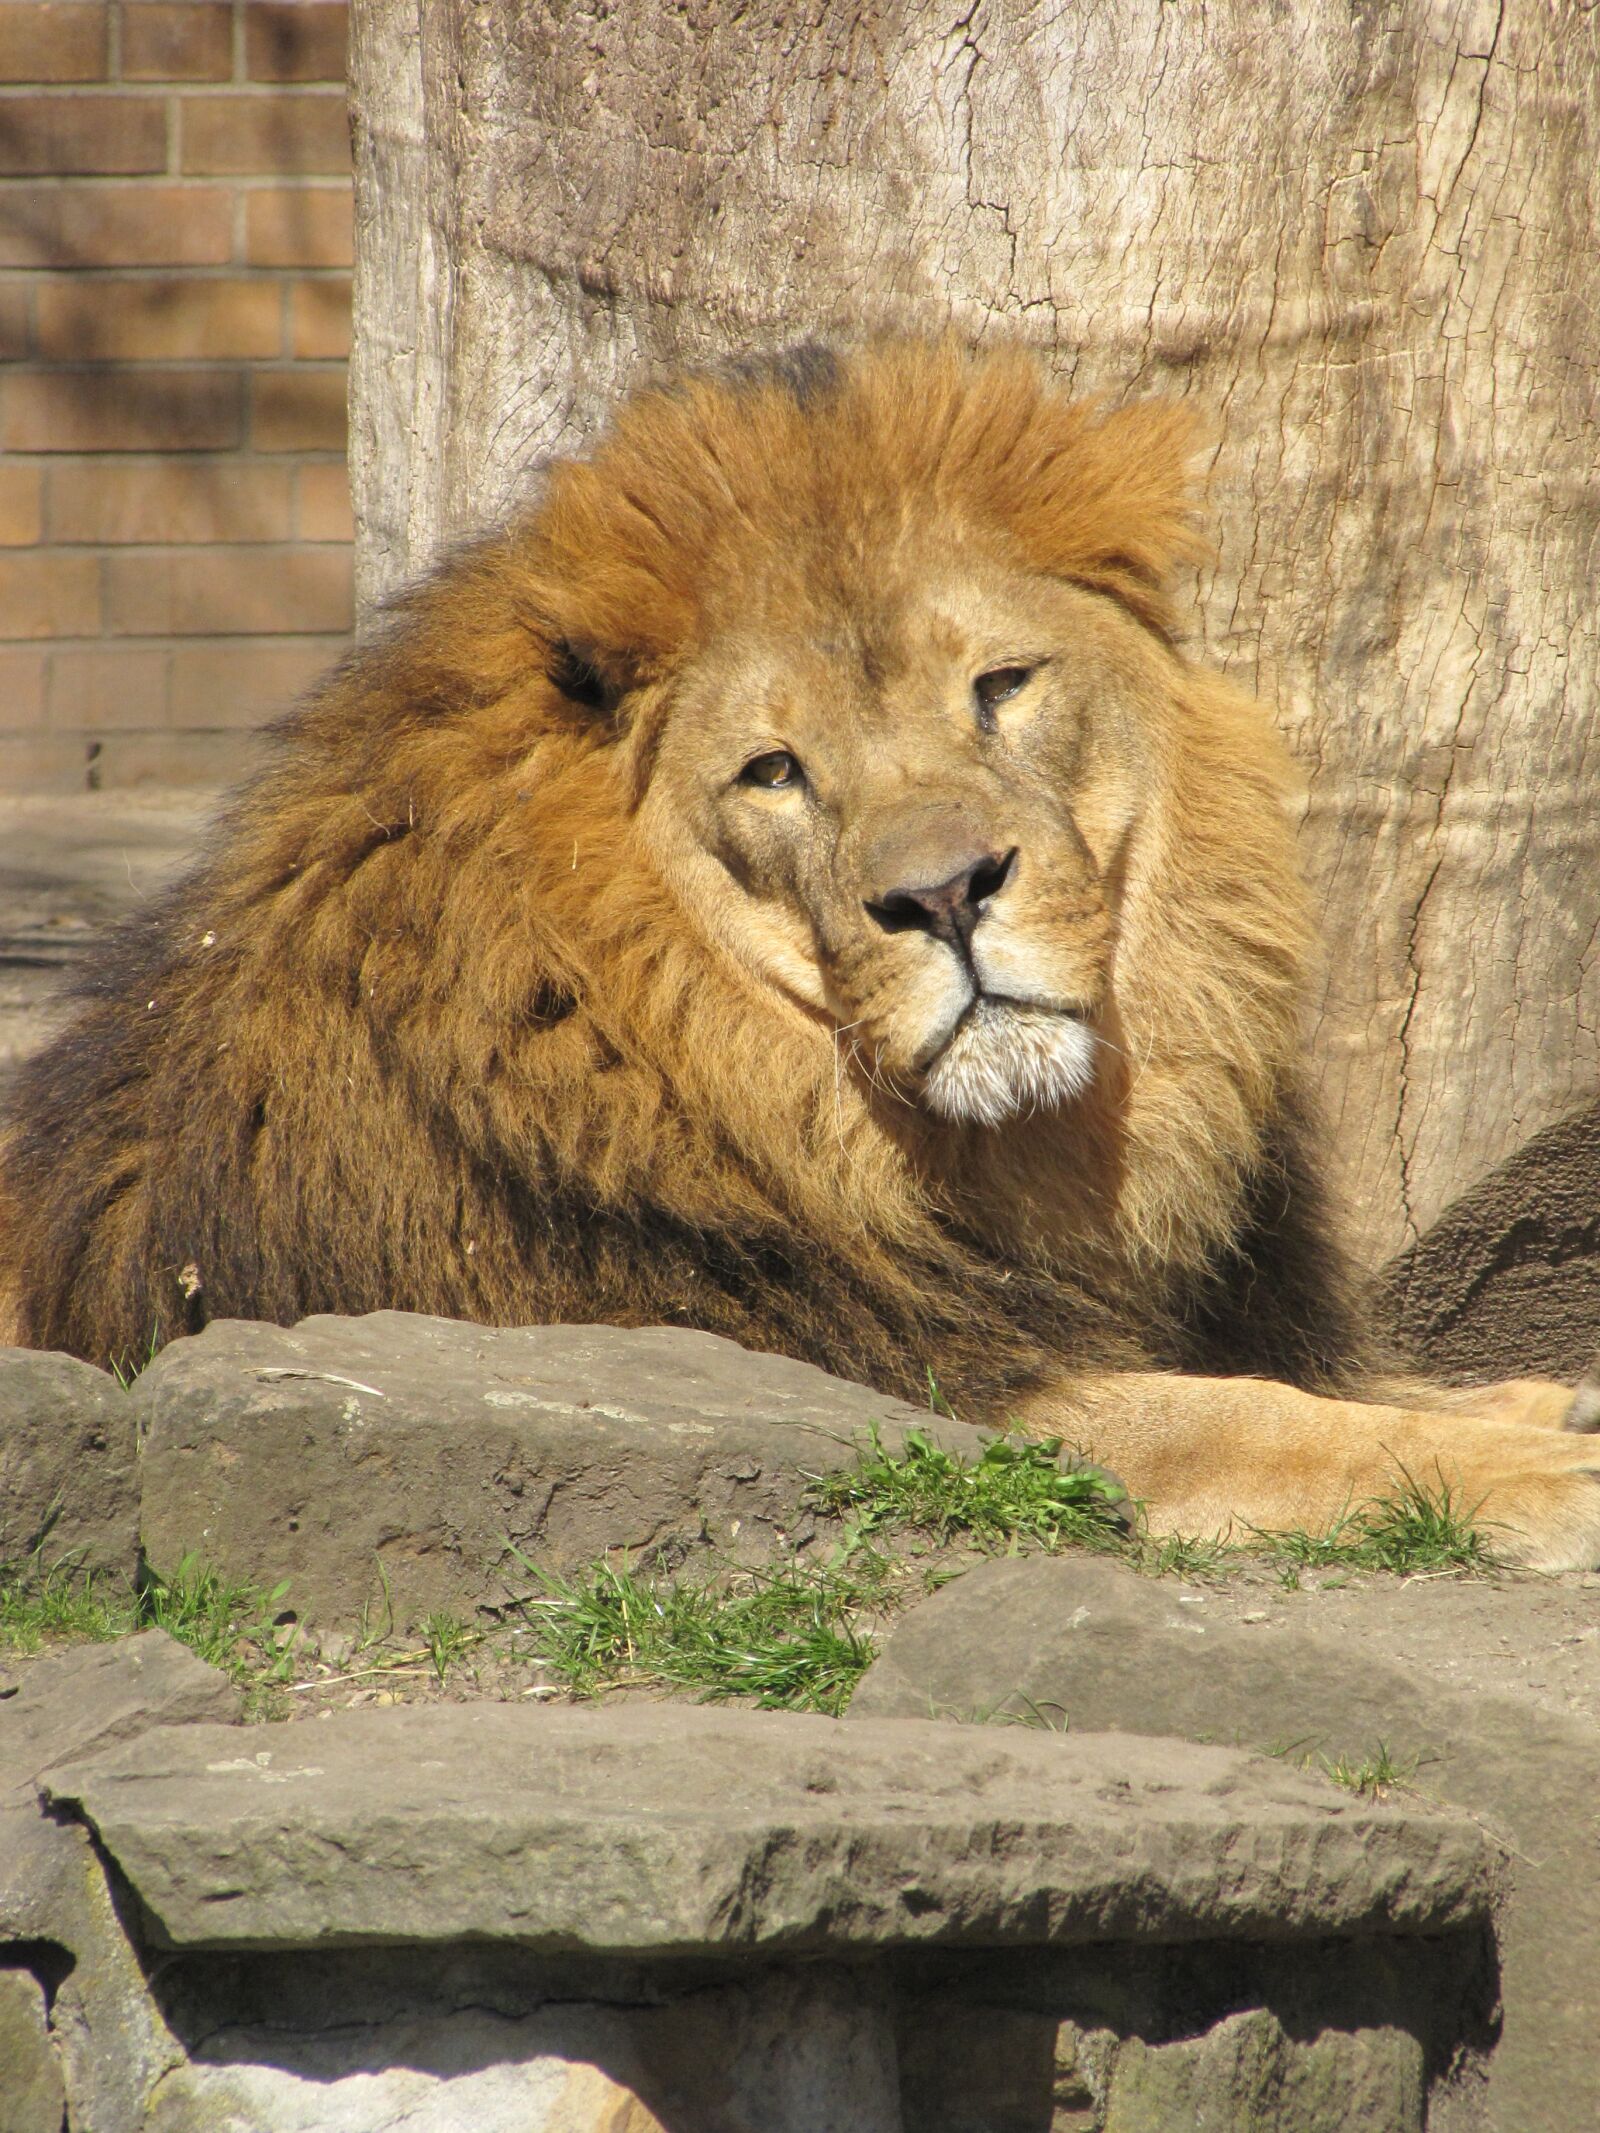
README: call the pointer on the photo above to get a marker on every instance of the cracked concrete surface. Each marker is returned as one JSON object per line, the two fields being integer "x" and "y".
{"x": 71, "y": 865}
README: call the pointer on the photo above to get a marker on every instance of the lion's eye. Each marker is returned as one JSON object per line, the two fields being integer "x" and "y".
{"x": 994, "y": 687}
{"x": 773, "y": 773}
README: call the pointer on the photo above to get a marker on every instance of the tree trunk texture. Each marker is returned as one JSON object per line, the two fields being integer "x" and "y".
{"x": 1363, "y": 236}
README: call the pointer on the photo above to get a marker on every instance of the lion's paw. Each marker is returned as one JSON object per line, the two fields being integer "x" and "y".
{"x": 1542, "y": 1510}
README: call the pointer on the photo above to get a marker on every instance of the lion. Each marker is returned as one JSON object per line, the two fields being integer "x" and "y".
{"x": 790, "y": 881}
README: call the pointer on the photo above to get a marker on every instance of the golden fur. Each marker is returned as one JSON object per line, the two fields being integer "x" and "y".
{"x": 506, "y": 994}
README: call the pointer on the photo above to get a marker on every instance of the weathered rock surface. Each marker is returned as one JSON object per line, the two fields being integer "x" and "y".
{"x": 107, "y": 2039}
{"x": 1094, "y": 1646}
{"x": 69, "y": 1483}
{"x": 92, "y": 1697}
{"x": 1507, "y": 1281}
{"x": 32, "y": 2099}
{"x": 676, "y": 1830}
{"x": 1249, "y": 2072}
{"x": 402, "y": 1458}
{"x": 530, "y": 1920}
{"x": 780, "y": 2053}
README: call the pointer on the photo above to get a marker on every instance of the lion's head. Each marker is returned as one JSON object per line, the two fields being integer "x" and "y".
{"x": 901, "y": 793}
{"x": 795, "y": 848}
{"x": 903, "y": 728}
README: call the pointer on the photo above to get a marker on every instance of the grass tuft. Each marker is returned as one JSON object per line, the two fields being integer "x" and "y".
{"x": 62, "y": 1604}
{"x": 446, "y": 1641}
{"x": 1016, "y": 1490}
{"x": 126, "y": 1367}
{"x": 228, "y": 1625}
{"x": 800, "y": 1636}
{"x": 1374, "y": 1777}
{"x": 791, "y": 1638}
{"x": 1412, "y": 1531}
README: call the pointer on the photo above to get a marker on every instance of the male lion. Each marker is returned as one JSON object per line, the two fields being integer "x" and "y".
{"x": 788, "y": 883}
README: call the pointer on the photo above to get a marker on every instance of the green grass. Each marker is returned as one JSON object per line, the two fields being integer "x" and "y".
{"x": 1015, "y": 1492}
{"x": 800, "y": 1636}
{"x": 793, "y": 1638}
{"x": 446, "y": 1641}
{"x": 229, "y": 1625}
{"x": 1374, "y": 1777}
{"x": 1412, "y": 1531}
{"x": 125, "y": 1367}
{"x": 61, "y": 1605}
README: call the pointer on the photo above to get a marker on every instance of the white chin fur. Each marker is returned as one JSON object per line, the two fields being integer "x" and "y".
{"x": 1005, "y": 1059}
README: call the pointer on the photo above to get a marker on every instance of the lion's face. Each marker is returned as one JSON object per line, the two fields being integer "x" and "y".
{"x": 906, "y": 804}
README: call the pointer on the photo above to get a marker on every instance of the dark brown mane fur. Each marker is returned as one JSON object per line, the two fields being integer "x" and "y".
{"x": 423, "y": 1029}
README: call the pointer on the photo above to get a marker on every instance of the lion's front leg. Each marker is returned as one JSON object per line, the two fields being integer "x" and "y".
{"x": 1215, "y": 1455}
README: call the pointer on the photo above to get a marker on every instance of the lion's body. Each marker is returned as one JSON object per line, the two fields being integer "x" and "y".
{"x": 463, "y": 1014}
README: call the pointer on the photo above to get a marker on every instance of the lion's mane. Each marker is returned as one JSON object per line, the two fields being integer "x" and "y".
{"x": 425, "y": 1029}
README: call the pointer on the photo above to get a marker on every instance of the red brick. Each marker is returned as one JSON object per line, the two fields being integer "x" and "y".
{"x": 21, "y": 519}
{"x": 164, "y": 501}
{"x": 119, "y": 687}
{"x": 228, "y": 592}
{"x": 69, "y": 135}
{"x": 120, "y": 411}
{"x": 144, "y": 321}
{"x": 53, "y": 40}
{"x": 48, "y": 592}
{"x": 22, "y": 676}
{"x": 325, "y": 503}
{"x": 294, "y": 40}
{"x": 299, "y": 410}
{"x": 278, "y": 136}
{"x": 176, "y": 40}
{"x": 299, "y": 226}
{"x": 16, "y": 316}
{"x": 115, "y": 225}
{"x": 319, "y": 318}
{"x": 242, "y": 684}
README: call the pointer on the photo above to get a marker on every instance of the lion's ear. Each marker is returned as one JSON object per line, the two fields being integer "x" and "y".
{"x": 580, "y": 678}
{"x": 1110, "y": 502}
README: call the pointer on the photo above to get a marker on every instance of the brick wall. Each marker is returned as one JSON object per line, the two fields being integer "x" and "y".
{"x": 174, "y": 318}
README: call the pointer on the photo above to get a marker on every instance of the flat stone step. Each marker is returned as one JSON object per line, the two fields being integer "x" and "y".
{"x": 669, "y": 1830}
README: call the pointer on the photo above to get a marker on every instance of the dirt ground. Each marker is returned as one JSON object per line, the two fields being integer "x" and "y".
{"x": 70, "y": 866}
{"x": 1520, "y": 1636}
{"x": 1517, "y": 1635}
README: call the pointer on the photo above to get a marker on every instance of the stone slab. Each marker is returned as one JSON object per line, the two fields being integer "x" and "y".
{"x": 419, "y": 1448}
{"x": 90, "y": 1698}
{"x": 1090, "y": 1644}
{"x": 32, "y": 2099}
{"x": 69, "y": 1480}
{"x": 108, "y": 2038}
{"x": 673, "y": 1830}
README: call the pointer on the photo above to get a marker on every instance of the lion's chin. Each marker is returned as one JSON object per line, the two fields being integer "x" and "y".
{"x": 1006, "y": 1058}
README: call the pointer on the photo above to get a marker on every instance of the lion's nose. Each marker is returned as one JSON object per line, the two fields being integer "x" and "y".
{"x": 949, "y": 910}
